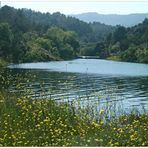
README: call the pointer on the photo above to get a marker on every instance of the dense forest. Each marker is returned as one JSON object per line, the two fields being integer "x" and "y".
{"x": 126, "y": 44}
{"x": 29, "y": 36}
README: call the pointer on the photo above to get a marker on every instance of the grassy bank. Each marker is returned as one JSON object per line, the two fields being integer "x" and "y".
{"x": 28, "y": 122}
{"x": 25, "y": 121}
{"x": 114, "y": 58}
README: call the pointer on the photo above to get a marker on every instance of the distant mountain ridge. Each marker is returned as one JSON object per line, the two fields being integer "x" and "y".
{"x": 112, "y": 19}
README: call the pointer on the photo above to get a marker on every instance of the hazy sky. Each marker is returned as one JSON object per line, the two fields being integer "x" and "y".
{"x": 76, "y": 6}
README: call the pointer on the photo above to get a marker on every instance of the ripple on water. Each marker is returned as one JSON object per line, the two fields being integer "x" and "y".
{"x": 81, "y": 78}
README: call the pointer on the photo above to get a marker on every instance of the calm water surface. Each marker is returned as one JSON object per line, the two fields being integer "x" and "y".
{"x": 90, "y": 79}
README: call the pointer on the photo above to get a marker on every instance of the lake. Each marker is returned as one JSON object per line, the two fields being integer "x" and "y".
{"x": 89, "y": 80}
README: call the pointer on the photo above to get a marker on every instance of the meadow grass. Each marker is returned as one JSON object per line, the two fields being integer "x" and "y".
{"x": 25, "y": 121}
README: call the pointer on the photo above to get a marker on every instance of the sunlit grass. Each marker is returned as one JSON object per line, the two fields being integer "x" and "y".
{"x": 114, "y": 58}
{"x": 25, "y": 121}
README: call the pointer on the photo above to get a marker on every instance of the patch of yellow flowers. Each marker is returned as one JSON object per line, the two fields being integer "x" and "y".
{"x": 28, "y": 122}
{"x": 25, "y": 121}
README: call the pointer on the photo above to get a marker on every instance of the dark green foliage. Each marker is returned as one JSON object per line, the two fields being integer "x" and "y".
{"x": 87, "y": 49}
{"x": 46, "y": 20}
{"x": 27, "y": 36}
{"x": 142, "y": 53}
{"x": 130, "y": 44}
{"x": 6, "y": 37}
{"x": 99, "y": 50}
{"x": 130, "y": 54}
{"x": 101, "y": 31}
{"x": 30, "y": 36}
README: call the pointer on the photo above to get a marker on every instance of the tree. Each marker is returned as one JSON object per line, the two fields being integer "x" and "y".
{"x": 100, "y": 50}
{"x": 6, "y": 38}
{"x": 142, "y": 53}
{"x": 66, "y": 42}
{"x": 129, "y": 54}
{"x": 119, "y": 34}
{"x": 19, "y": 48}
{"x": 72, "y": 39}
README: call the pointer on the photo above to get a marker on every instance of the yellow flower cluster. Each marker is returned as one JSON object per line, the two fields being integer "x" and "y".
{"x": 25, "y": 121}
